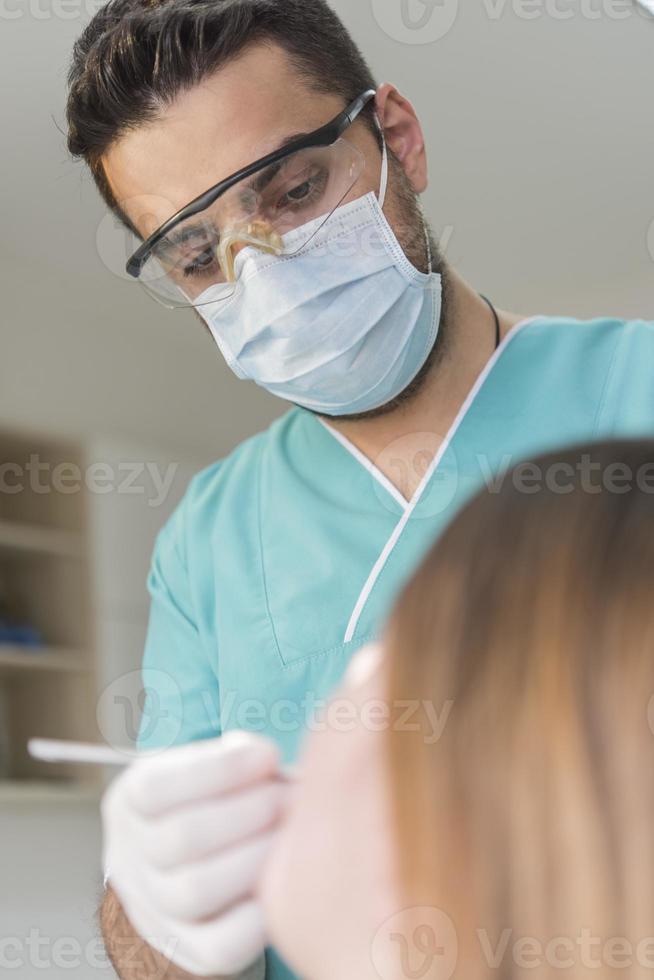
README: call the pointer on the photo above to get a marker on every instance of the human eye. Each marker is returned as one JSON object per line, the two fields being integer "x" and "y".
{"x": 203, "y": 263}
{"x": 193, "y": 253}
{"x": 304, "y": 191}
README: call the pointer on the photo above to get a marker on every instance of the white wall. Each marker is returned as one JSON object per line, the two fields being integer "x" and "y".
{"x": 541, "y": 147}
{"x": 50, "y": 886}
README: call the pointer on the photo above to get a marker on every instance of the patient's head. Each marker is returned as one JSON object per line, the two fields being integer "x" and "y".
{"x": 510, "y": 801}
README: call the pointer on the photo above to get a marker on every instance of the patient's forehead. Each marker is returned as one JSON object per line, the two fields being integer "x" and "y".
{"x": 352, "y": 725}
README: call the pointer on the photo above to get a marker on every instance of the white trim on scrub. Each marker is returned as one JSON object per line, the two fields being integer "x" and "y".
{"x": 367, "y": 464}
{"x": 409, "y": 506}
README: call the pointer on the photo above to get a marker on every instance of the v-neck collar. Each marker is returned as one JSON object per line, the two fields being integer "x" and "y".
{"x": 374, "y": 470}
{"x": 409, "y": 506}
{"x": 368, "y": 465}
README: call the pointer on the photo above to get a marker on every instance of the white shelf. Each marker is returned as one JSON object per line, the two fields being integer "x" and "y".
{"x": 46, "y": 581}
{"x": 17, "y": 658}
{"x": 39, "y": 540}
{"x": 47, "y": 791}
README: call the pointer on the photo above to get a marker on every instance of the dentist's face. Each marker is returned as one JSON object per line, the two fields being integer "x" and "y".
{"x": 209, "y": 132}
{"x": 245, "y": 110}
{"x": 238, "y": 115}
{"x": 329, "y": 884}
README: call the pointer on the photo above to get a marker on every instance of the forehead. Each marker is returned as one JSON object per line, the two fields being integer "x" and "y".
{"x": 231, "y": 119}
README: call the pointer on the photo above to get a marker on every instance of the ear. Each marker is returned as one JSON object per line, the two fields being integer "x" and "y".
{"x": 403, "y": 134}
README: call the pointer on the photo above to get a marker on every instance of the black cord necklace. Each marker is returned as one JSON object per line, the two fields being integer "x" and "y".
{"x": 498, "y": 331}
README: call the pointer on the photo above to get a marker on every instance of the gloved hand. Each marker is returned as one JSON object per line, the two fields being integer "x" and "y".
{"x": 186, "y": 832}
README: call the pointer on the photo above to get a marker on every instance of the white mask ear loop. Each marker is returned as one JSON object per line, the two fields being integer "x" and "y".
{"x": 384, "y": 170}
{"x": 427, "y": 242}
{"x": 384, "y": 185}
{"x": 384, "y": 175}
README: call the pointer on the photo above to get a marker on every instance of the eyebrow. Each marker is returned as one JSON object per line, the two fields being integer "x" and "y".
{"x": 264, "y": 177}
{"x": 256, "y": 183}
{"x": 291, "y": 139}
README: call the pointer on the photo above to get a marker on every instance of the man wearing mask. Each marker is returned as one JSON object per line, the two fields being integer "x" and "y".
{"x": 269, "y": 182}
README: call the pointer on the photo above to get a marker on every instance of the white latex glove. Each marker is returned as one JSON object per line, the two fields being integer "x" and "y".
{"x": 186, "y": 832}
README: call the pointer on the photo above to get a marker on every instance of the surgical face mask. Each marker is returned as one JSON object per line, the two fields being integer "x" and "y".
{"x": 341, "y": 326}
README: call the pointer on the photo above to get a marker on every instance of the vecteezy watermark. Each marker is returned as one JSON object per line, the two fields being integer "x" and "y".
{"x": 149, "y": 706}
{"x": 562, "y": 477}
{"x": 422, "y": 942}
{"x": 47, "y": 953}
{"x": 650, "y": 240}
{"x": 424, "y": 469}
{"x": 39, "y": 952}
{"x": 145, "y": 704}
{"x": 43, "y": 477}
{"x": 416, "y": 21}
{"x": 49, "y": 9}
{"x": 427, "y": 21}
{"x": 592, "y": 10}
{"x": 584, "y": 950}
{"x": 563, "y": 9}
{"x": 419, "y": 943}
{"x": 421, "y": 463}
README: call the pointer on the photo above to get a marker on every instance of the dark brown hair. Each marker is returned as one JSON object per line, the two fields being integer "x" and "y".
{"x": 136, "y": 56}
{"x": 533, "y": 618}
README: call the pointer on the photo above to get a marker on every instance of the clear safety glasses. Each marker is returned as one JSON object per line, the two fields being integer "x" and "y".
{"x": 276, "y": 205}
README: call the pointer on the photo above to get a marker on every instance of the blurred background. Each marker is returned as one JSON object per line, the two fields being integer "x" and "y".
{"x": 540, "y": 134}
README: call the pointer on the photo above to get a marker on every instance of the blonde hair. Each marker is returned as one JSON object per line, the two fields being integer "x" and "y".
{"x": 533, "y": 616}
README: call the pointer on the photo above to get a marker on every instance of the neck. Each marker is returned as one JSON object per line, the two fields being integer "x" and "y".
{"x": 403, "y": 443}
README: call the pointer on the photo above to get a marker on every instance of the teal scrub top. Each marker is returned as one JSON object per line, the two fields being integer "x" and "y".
{"x": 284, "y": 558}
